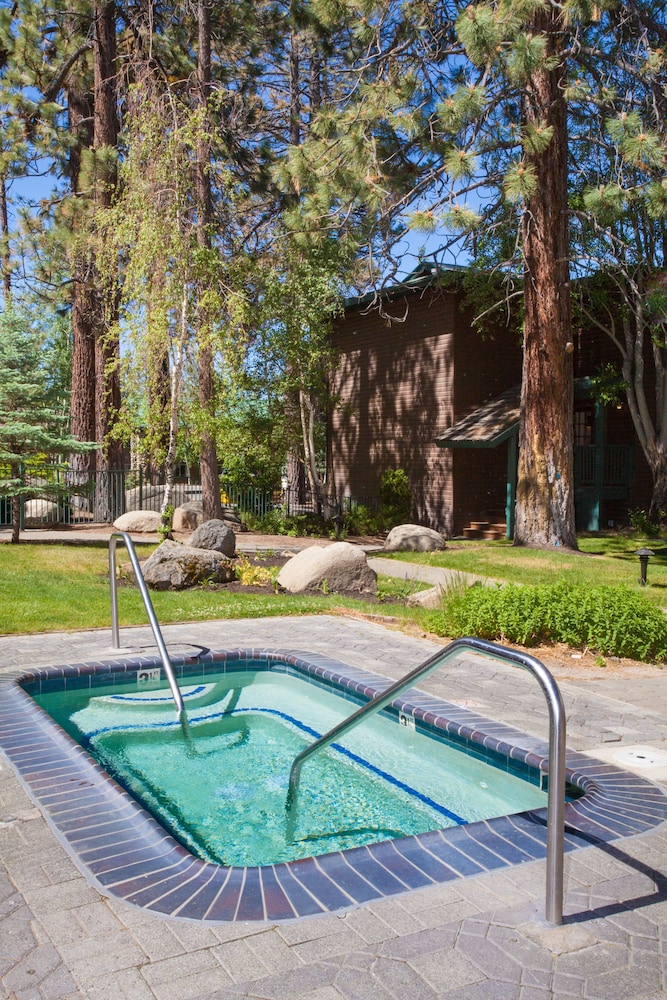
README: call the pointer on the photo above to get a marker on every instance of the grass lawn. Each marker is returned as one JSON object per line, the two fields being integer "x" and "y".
{"x": 66, "y": 587}
{"x": 602, "y": 560}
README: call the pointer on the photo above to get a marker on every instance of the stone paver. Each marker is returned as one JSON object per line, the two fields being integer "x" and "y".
{"x": 482, "y": 937}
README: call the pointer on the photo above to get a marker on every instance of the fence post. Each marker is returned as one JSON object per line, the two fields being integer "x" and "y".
{"x": 21, "y": 497}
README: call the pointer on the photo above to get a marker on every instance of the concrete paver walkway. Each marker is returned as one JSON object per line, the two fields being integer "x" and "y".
{"x": 482, "y": 937}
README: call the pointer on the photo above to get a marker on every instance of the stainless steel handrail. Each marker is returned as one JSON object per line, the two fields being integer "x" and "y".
{"x": 556, "y": 766}
{"x": 148, "y": 604}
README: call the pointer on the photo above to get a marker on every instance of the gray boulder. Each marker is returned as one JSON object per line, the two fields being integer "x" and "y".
{"x": 41, "y": 510}
{"x": 214, "y": 534}
{"x": 230, "y": 514}
{"x": 413, "y": 538}
{"x": 152, "y": 495}
{"x": 188, "y": 516}
{"x": 429, "y": 599}
{"x": 138, "y": 520}
{"x": 338, "y": 567}
{"x": 174, "y": 567}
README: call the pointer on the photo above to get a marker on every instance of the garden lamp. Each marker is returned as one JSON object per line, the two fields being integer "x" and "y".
{"x": 644, "y": 555}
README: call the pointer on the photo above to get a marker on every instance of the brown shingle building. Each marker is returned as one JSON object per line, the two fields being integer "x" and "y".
{"x": 418, "y": 387}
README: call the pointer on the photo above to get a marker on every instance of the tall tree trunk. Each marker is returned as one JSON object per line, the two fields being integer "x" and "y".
{"x": 657, "y": 511}
{"x": 650, "y": 423}
{"x": 176, "y": 378}
{"x": 545, "y": 488}
{"x": 210, "y": 473}
{"x": 82, "y": 397}
{"x": 16, "y": 506}
{"x": 159, "y": 381}
{"x": 108, "y": 496}
{"x": 6, "y": 257}
{"x": 309, "y": 415}
{"x": 296, "y": 478}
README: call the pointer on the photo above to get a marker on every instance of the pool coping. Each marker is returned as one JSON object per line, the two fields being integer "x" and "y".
{"x": 127, "y": 854}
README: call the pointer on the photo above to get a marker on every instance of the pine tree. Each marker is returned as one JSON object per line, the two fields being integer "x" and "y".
{"x": 468, "y": 114}
{"x": 33, "y": 421}
{"x": 208, "y": 460}
{"x": 526, "y": 115}
{"x": 619, "y": 224}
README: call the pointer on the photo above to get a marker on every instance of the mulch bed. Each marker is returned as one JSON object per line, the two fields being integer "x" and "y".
{"x": 265, "y": 561}
{"x": 278, "y": 561}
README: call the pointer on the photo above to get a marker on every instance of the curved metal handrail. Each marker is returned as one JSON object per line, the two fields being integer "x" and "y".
{"x": 556, "y": 770}
{"x": 148, "y": 604}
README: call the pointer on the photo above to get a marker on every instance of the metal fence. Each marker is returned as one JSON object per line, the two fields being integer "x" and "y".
{"x": 58, "y": 494}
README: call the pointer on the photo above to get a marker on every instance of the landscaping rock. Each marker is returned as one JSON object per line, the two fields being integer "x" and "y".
{"x": 216, "y": 535}
{"x": 153, "y": 495}
{"x": 413, "y": 538}
{"x": 175, "y": 567}
{"x": 430, "y": 599}
{"x": 138, "y": 521}
{"x": 188, "y": 516}
{"x": 230, "y": 514}
{"x": 41, "y": 510}
{"x": 339, "y": 567}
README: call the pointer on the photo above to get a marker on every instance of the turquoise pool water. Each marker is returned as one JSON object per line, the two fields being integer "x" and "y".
{"x": 219, "y": 784}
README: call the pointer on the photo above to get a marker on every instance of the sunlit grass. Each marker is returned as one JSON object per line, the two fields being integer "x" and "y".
{"x": 601, "y": 560}
{"x": 66, "y": 587}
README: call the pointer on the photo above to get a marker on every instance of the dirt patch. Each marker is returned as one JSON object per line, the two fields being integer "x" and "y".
{"x": 562, "y": 661}
{"x": 565, "y": 663}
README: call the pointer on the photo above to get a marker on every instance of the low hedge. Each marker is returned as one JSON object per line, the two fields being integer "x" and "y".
{"x": 612, "y": 621}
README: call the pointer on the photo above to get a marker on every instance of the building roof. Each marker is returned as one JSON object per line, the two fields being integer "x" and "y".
{"x": 487, "y": 426}
{"x": 425, "y": 273}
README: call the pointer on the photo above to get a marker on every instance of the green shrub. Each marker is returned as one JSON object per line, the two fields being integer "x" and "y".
{"x": 277, "y": 522}
{"x": 363, "y": 521}
{"x": 395, "y": 497}
{"x": 641, "y": 523}
{"x": 251, "y": 574}
{"x": 612, "y": 621}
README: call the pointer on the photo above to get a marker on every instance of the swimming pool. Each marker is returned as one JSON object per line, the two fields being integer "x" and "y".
{"x": 218, "y": 781}
{"x": 128, "y": 853}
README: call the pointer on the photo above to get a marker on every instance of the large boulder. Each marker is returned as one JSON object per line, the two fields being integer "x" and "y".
{"x": 138, "y": 521}
{"x": 429, "y": 599}
{"x": 174, "y": 567}
{"x": 188, "y": 516}
{"x": 338, "y": 567}
{"x": 216, "y": 535}
{"x": 152, "y": 495}
{"x": 413, "y": 538}
{"x": 40, "y": 510}
{"x": 230, "y": 514}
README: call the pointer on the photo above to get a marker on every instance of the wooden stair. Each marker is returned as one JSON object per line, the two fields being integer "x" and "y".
{"x": 485, "y": 529}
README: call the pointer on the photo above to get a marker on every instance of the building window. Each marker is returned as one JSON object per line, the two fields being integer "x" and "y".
{"x": 583, "y": 426}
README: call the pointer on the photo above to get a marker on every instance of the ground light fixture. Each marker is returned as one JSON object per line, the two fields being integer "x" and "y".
{"x": 644, "y": 555}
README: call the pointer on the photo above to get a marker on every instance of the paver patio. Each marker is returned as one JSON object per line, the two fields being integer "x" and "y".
{"x": 478, "y": 937}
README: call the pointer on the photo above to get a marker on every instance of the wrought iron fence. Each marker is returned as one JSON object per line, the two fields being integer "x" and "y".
{"x": 58, "y": 494}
